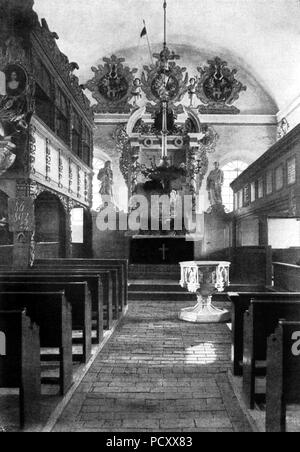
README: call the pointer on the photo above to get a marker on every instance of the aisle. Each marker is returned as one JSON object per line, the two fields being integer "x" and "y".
{"x": 158, "y": 374}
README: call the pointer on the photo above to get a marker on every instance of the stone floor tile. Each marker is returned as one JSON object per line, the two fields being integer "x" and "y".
{"x": 158, "y": 374}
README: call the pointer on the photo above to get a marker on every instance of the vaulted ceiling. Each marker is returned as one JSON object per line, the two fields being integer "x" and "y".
{"x": 261, "y": 38}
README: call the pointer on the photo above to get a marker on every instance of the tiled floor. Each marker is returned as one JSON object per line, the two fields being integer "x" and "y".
{"x": 158, "y": 374}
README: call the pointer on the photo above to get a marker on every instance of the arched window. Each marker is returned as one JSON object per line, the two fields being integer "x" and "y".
{"x": 231, "y": 171}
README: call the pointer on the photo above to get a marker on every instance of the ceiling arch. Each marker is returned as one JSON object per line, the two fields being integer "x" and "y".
{"x": 259, "y": 37}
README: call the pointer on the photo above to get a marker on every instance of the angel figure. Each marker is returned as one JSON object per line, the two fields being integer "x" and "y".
{"x": 192, "y": 90}
{"x": 136, "y": 91}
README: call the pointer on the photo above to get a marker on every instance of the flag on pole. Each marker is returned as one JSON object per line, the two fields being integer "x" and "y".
{"x": 144, "y": 32}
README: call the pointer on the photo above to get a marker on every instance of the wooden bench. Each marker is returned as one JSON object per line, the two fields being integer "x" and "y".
{"x": 240, "y": 304}
{"x": 112, "y": 285}
{"x": 283, "y": 374}
{"x": 120, "y": 264}
{"x": 20, "y": 365}
{"x": 114, "y": 274}
{"x": 53, "y": 314}
{"x": 260, "y": 321}
{"x": 100, "y": 286}
{"x": 78, "y": 295}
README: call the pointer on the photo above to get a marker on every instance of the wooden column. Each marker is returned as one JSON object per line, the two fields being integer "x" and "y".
{"x": 22, "y": 224}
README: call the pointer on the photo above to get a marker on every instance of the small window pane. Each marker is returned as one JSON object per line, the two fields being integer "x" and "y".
{"x": 77, "y": 223}
{"x": 253, "y": 192}
{"x": 279, "y": 177}
{"x": 260, "y": 188}
{"x": 269, "y": 182}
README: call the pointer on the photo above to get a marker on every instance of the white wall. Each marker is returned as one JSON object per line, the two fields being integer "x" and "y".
{"x": 284, "y": 232}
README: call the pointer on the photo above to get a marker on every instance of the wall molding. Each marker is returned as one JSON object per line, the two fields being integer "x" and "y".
{"x": 289, "y": 109}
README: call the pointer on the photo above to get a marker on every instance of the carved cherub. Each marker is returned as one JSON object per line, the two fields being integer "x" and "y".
{"x": 192, "y": 90}
{"x": 136, "y": 91}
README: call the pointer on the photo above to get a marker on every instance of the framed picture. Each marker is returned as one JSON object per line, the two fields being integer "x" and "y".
{"x": 246, "y": 195}
{"x": 291, "y": 171}
{"x": 16, "y": 80}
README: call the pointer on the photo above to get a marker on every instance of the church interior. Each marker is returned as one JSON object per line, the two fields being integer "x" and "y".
{"x": 149, "y": 216}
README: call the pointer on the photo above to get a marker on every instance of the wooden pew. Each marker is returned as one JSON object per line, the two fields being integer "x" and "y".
{"x": 283, "y": 374}
{"x": 78, "y": 295}
{"x": 100, "y": 286}
{"x": 111, "y": 286}
{"x": 260, "y": 322}
{"x": 20, "y": 365}
{"x": 240, "y": 304}
{"x": 120, "y": 264}
{"x": 53, "y": 314}
{"x": 114, "y": 274}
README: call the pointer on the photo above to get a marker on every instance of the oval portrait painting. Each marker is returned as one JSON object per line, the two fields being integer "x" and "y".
{"x": 16, "y": 80}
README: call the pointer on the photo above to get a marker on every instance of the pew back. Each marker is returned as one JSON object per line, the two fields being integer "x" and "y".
{"x": 20, "y": 365}
{"x": 120, "y": 264}
{"x": 260, "y": 322}
{"x": 99, "y": 283}
{"x": 51, "y": 311}
{"x": 283, "y": 370}
{"x": 240, "y": 304}
{"x": 77, "y": 293}
{"x": 53, "y": 314}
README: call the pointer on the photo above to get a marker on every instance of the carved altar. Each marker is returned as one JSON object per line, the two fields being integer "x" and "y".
{"x": 204, "y": 278}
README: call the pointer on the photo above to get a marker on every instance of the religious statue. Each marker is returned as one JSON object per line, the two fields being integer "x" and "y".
{"x": 192, "y": 90}
{"x": 283, "y": 128}
{"x": 136, "y": 91}
{"x": 214, "y": 185}
{"x": 105, "y": 176}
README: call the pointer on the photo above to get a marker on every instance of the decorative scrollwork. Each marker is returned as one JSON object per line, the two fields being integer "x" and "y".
{"x": 209, "y": 142}
{"x": 165, "y": 80}
{"x": 121, "y": 139}
{"x": 70, "y": 176}
{"x": 65, "y": 68}
{"x": 78, "y": 182}
{"x": 218, "y": 88}
{"x": 60, "y": 169}
{"x": 112, "y": 86}
{"x": 86, "y": 190}
{"x": 48, "y": 159}
{"x": 31, "y": 150}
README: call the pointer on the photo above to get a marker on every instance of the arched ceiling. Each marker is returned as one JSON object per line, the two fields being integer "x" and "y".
{"x": 260, "y": 38}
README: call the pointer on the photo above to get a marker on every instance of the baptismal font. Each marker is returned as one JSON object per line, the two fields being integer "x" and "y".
{"x": 204, "y": 278}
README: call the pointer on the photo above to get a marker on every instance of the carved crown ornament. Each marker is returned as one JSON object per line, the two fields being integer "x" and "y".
{"x": 218, "y": 88}
{"x": 112, "y": 86}
{"x": 164, "y": 81}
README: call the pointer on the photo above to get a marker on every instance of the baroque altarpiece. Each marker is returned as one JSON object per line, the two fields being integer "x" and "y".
{"x": 160, "y": 143}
